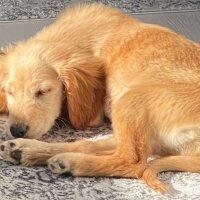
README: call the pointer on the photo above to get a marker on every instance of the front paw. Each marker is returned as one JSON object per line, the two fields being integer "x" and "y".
{"x": 65, "y": 163}
{"x": 12, "y": 150}
{"x": 59, "y": 163}
{"x": 19, "y": 151}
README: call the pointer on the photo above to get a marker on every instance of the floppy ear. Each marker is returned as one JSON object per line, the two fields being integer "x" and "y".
{"x": 84, "y": 81}
{"x": 3, "y": 76}
{"x": 3, "y": 103}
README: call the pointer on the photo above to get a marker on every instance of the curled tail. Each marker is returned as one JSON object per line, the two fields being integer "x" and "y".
{"x": 169, "y": 163}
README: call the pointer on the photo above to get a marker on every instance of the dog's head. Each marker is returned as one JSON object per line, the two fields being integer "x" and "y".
{"x": 35, "y": 75}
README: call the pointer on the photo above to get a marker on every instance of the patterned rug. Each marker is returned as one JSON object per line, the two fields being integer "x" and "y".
{"x": 38, "y": 183}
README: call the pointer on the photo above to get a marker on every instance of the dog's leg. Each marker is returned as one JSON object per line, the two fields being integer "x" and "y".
{"x": 130, "y": 157}
{"x": 33, "y": 152}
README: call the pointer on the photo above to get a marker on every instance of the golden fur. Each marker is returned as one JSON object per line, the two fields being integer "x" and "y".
{"x": 151, "y": 77}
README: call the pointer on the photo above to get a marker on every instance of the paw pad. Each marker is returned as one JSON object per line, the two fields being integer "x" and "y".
{"x": 12, "y": 144}
{"x": 62, "y": 166}
{"x": 58, "y": 166}
{"x": 2, "y": 147}
{"x": 17, "y": 155}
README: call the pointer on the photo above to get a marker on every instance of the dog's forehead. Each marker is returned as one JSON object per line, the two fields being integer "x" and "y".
{"x": 22, "y": 77}
{"x": 28, "y": 69}
{"x": 32, "y": 69}
{"x": 20, "y": 82}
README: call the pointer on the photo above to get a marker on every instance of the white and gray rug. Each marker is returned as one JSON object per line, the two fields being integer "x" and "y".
{"x": 38, "y": 183}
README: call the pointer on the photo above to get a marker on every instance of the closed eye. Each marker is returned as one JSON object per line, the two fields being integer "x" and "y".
{"x": 40, "y": 93}
{"x": 10, "y": 93}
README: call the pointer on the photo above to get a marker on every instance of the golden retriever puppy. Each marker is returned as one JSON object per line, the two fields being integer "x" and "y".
{"x": 151, "y": 76}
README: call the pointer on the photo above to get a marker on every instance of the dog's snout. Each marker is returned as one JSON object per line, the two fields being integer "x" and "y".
{"x": 18, "y": 130}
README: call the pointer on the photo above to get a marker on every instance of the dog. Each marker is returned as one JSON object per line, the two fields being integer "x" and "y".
{"x": 145, "y": 76}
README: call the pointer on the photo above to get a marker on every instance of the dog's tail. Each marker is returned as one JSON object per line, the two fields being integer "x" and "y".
{"x": 169, "y": 163}
{"x": 176, "y": 163}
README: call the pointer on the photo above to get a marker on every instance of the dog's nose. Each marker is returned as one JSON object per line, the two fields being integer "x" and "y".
{"x": 18, "y": 130}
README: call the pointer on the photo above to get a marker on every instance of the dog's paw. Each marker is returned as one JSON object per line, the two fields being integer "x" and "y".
{"x": 61, "y": 163}
{"x": 19, "y": 151}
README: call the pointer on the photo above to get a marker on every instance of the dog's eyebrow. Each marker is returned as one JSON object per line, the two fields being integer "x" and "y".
{"x": 45, "y": 86}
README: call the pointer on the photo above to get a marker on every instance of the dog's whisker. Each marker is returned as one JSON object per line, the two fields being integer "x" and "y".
{"x": 61, "y": 122}
{"x": 56, "y": 125}
{"x": 63, "y": 119}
